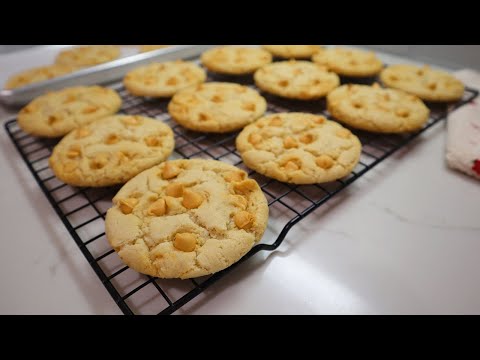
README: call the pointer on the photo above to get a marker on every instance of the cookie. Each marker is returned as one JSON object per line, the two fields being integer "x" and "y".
{"x": 163, "y": 79}
{"x": 38, "y": 74}
{"x": 111, "y": 150}
{"x": 147, "y": 48}
{"x": 375, "y": 109}
{"x": 293, "y": 51}
{"x": 88, "y": 55}
{"x": 186, "y": 218}
{"x": 216, "y": 107}
{"x": 424, "y": 82}
{"x": 300, "y": 80}
{"x": 57, "y": 113}
{"x": 299, "y": 148}
{"x": 235, "y": 60}
{"x": 349, "y": 62}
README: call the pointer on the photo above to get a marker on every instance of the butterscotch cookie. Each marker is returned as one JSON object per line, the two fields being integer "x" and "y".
{"x": 111, "y": 150}
{"x": 216, "y": 107}
{"x": 38, "y": 74}
{"x": 186, "y": 218}
{"x": 163, "y": 79}
{"x": 88, "y": 55}
{"x": 292, "y": 79}
{"x": 299, "y": 148}
{"x": 375, "y": 109}
{"x": 293, "y": 51}
{"x": 235, "y": 60}
{"x": 424, "y": 82}
{"x": 147, "y": 48}
{"x": 57, "y": 113}
{"x": 349, "y": 62}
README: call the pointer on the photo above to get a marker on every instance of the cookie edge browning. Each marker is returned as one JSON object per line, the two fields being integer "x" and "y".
{"x": 26, "y": 126}
{"x": 212, "y": 67}
{"x": 242, "y": 140}
{"x": 139, "y": 91}
{"x": 262, "y": 216}
{"x": 423, "y": 96}
{"x": 365, "y": 124}
{"x": 56, "y": 166}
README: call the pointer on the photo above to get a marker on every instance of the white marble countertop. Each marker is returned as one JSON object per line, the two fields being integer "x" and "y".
{"x": 404, "y": 238}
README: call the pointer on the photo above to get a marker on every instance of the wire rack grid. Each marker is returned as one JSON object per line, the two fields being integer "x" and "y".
{"x": 82, "y": 210}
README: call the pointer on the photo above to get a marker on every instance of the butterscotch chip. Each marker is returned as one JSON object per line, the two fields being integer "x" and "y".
{"x": 204, "y": 231}
{"x": 234, "y": 176}
{"x": 426, "y": 83}
{"x": 243, "y": 219}
{"x": 349, "y": 62}
{"x": 169, "y": 171}
{"x": 191, "y": 199}
{"x": 50, "y": 115}
{"x": 235, "y": 60}
{"x": 158, "y": 208}
{"x": 88, "y": 55}
{"x": 293, "y": 51}
{"x": 174, "y": 190}
{"x": 376, "y": 109}
{"x": 185, "y": 242}
{"x": 300, "y": 80}
{"x": 163, "y": 79}
{"x": 245, "y": 186}
{"x": 108, "y": 152}
{"x": 206, "y": 114}
{"x": 320, "y": 154}
{"x": 127, "y": 205}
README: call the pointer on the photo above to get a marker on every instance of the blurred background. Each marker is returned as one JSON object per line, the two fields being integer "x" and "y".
{"x": 451, "y": 56}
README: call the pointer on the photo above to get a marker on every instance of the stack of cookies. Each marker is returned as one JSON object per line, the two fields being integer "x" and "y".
{"x": 189, "y": 218}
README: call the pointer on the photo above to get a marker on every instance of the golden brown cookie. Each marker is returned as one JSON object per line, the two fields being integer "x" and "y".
{"x": 37, "y": 75}
{"x": 57, "y": 113}
{"x": 235, "y": 60}
{"x": 186, "y": 218}
{"x": 349, "y": 62}
{"x": 300, "y": 80}
{"x": 293, "y": 51}
{"x": 216, "y": 107}
{"x": 111, "y": 150}
{"x": 88, "y": 55}
{"x": 163, "y": 79}
{"x": 424, "y": 82}
{"x": 299, "y": 148}
{"x": 147, "y": 48}
{"x": 375, "y": 109}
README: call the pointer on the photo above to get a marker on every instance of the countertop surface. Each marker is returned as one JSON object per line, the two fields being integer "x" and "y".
{"x": 404, "y": 238}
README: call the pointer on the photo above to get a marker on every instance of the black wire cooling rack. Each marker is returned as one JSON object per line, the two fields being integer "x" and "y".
{"x": 82, "y": 210}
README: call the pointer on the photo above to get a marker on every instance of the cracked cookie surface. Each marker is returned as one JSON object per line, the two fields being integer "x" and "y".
{"x": 349, "y": 62}
{"x": 299, "y": 148}
{"x": 111, "y": 150}
{"x": 163, "y": 79}
{"x": 376, "y": 109}
{"x": 186, "y": 218}
{"x": 88, "y": 55}
{"x": 302, "y": 80}
{"x": 216, "y": 107}
{"x": 235, "y": 60}
{"x": 293, "y": 51}
{"x": 426, "y": 83}
{"x": 38, "y": 74}
{"x": 57, "y": 113}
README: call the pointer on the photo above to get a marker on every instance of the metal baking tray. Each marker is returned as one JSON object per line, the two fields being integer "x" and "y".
{"x": 100, "y": 74}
